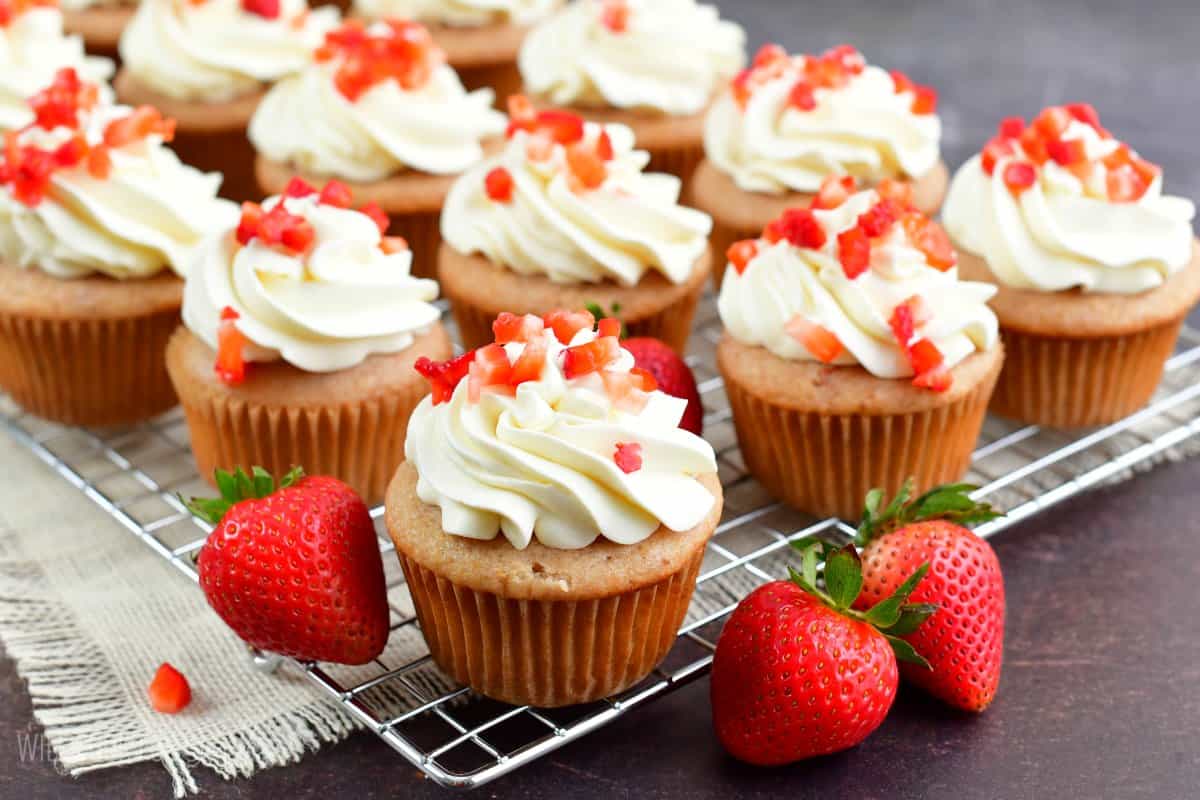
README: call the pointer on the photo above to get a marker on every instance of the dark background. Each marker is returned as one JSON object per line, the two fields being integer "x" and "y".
{"x": 1101, "y": 689}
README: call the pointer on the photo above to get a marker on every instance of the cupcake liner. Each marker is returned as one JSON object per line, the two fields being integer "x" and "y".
{"x": 228, "y": 152}
{"x": 504, "y": 79}
{"x": 91, "y": 372}
{"x": 826, "y": 463}
{"x": 1070, "y": 383}
{"x": 680, "y": 159}
{"x": 100, "y": 27}
{"x": 422, "y": 231}
{"x": 549, "y": 653}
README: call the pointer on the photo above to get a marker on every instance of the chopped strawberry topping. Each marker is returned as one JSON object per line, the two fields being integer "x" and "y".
{"x": 1034, "y": 145}
{"x": 901, "y": 82}
{"x": 99, "y": 163}
{"x": 614, "y": 15}
{"x": 336, "y": 194}
{"x": 1125, "y": 184}
{"x": 644, "y": 379}
{"x": 169, "y": 691}
{"x": 377, "y": 216}
{"x": 628, "y": 457}
{"x": 1067, "y": 151}
{"x": 298, "y": 187}
{"x": 513, "y": 328}
{"x": 898, "y": 193}
{"x": 903, "y": 324}
{"x": 609, "y": 326}
{"x": 1052, "y": 122}
{"x": 142, "y": 122}
{"x": 924, "y": 100}
{"x": 929, "y": 237}
{"x": 834, "y": 191}
{"x": 917, "y": 310}
{"x": 1011, "y": 128}
{"x": 530, "y": 363}
{"x": 59, "y": 103}
{"x": 854, "y": 251}
{"x": 1019, "y": 176}
{"x": 566, "y": 324}
{"x": 740, "y": 254}
{"x": 993, "y": 151}
{"x": 769, "y": 54}
{"x": 402, "y": 51}
{"x": 560, "y": 127}
{"x": 230, "y": 365}
{"x": 490, "y": 368}
{"x": 604, "y": 146}
{"x": 799, "y": 227}
{"x": 587, "y": 170}
{"x": 278, "y": 228}
{"x": 938, "y": 379}
{"x": 802, "y": 96}
{"x": 740, "y": 87}
{"x": 924, "y": 356}
{"x": 444, "y": 376}
{"x": 267, "y": 9}
{"x": 593, "y": 356}
{"x": 847, "y": 57}
{"x": 1085, "y": 113}
{"x": 499, "y": 185}
{"x": 833, "y": 69}
{"x": 820, "y": 342}
{"x": 878, "y": 219}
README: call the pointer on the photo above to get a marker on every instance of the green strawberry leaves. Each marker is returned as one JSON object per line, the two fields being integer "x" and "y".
{"x": 952, "y": 502}
{"x": 893, "y": 616}
{"x": 235, "y": 487}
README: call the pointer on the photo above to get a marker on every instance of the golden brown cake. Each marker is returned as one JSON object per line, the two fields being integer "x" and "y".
{"x": 100, "y": 26}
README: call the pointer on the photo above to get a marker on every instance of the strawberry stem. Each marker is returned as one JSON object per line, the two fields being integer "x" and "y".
{"x": 951, "y": 502}
{"x": 235, "y": 487}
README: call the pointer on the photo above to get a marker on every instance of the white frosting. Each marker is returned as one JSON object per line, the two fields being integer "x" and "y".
{"x": 540, "y": 464}
{"x": 147, "y": 215}
{"x": 673, "y": 57}
{"x": 214, "y": 51}
{"x": 629, "y": 225}
{"x": 1060, "y": 234}
{"x": 33, "y": 48}
{"x": 321, "y": 311}
{"x": 467, "y": 13}
{"x": 305, "y": 121}
{"x": 785, "y": 281}
{"x": 864, "y": 129}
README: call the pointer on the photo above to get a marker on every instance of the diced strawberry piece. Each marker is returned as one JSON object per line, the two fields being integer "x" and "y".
{"x": 898, "y": 193}
{"x": 1145, "y": 170}
{"x": 141, "y": 122}
{"x": 740, "y": 87}
{"x": 1125, "y": 184}
{"x": 644, "y": 379}
{"x": 1119, "y": 157}
{"x": 938, "y": 380}
{"x": 614, "y": 15}
{"x": 1011, "y": 128}
{"x": 854, "y": 251}
{"x": 71, "y": 152}
{"x": 267, "y": 9}
{"x": 801, "y": 228}
{"x": 802, "y": 96}
{"x": 740, "y": 254}
{"x": 445, "y": 376}
{"x": 1034, "y": 145}
{"x": 169, "y": 691}
{"x": 924, "y": 100}
{"x": 1052, "y": 122}
{"x": 924, "y": 356}
{"x": 878, "y": 219}
{"x": 773, "y": 232}
{"x": 298, "y": 236}
{"x": 539, "y": 147}
{"x": 377, "y": 216}
{"x": 499, "y": 185}
{"x": 252, "y": 216}
{"x": 1066, "y": 151}
{"x": 901, "y": 82}
{"x": 903, "y": 324}
{"x": 529, "y": 364}
{"x": 848, "y": 58}
{"x": 628, "y": 457}
{"x": 609, "y": 326}
{"x": 624, "y": 390}
{"x": 993, "y": 151}
{"x": 230, "y": 365}
{"x": 513, "y": 328}
{"x": 1019, "y": 176}
{"x": 928, "y": 237}
{"x": 604, "y": 146}
{"x": 587, "y": 167}
{"x": 917, "y": 310}
{"x": 391, "y": 245}
{"x": 833, "y": 192}
{"x": 336, "y": 194}
{"x": 490, "y": 368}
{"x": 562, "y": 127}
{"x": 298, "y": 187}
{"x": 566, "y": 324}
{"x": 768, "y": 54}
{"x": 1085, "y": 113}
{"x": 817, "y": 340}
{"x": 520, "y": 109}
{"x": 99, "y": 164}
{"x": 584, "y": 359}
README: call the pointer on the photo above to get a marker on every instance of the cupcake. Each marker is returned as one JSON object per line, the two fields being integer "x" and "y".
{"x": 1097, "y": 268}
{"x": 854, "y": 357}
{"x": 396, "y": 133}
{"x": 97, "y": 221}
{"x": 789, "y": 122}
{"x": 480, "y": 37}
{"x": 565, "y": 217}
{"x": 301, "y": 326}
{"x": 207, "y": 63}
{"x": 654, "y": 65}
{"x": 98, "y": 22}
{"x": 33, "y": 48}
{"x": 551, "y": 517}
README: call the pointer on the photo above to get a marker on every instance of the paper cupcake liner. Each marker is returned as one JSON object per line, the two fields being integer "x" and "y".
{"x": 1071, "y": 383}
{"x": 93, "y": 372}
{"x": 549, "y": 653}
{"x": 228, "y": 152}
{"x": 826, "y": 463}
{"x": 423, "y": 233}
{"x": 677, "y": 159}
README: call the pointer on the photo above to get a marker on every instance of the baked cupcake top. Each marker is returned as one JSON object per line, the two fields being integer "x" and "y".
{"x": 33, "y": 48}
{"x": 215, "y": 50}
{"x": 788, "y": 122}
{"x": 463, "y": 13}
{"x": 407, "y": 111}
{"x": 92, "y": 188}
{"x": 1062, "y": 204}
{"x": 307, "y": 279}
{"x": 664, "y": 55}
{"x": 568, "y": 199}
{"x": 858, "y": 278}
{"x": 552, "y": 433}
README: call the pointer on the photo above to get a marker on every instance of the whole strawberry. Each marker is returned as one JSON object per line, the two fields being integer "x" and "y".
{"x": 673, "y": 375}
{"x": 964, "y": 642}
{"x": 799, "y": 673}
{"x": 294, "y": 570}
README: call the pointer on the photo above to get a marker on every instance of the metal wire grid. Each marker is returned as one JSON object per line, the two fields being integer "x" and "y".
{"x": 461, "y": 739}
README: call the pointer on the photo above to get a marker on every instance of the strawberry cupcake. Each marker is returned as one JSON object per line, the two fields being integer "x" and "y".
{"x": 98, "y": 219}
{"x": 33, "y": 48}
{"x": 378, "y": 108}
{"x": 301, "y": 326}
{"x": 654, "y": 65}
{"x": 551, "y": 517}
{"x": 480, "y": 37}
{"x": 789, "y": 122}
{"x": 854, "y": 357}
{"x": 1097, "y": 268}
{"x": 565, "y": 217}
{"x": 208, "y": 63}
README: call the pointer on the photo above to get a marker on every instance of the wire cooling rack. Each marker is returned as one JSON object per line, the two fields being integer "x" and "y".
{"x": 461, "y": 739}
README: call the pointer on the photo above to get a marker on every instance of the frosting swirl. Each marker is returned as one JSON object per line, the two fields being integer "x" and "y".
{"x": 215, "y": 50}
{"x": 789, "y": 122}
{"x": 557, "y": 459}
{"x": 326, "y": 307}
{"x": 468, "y": 13}
{"x": 626, "y": 223}
{"x": 32, "y": 49}
{"x": 1098, "y": 222}
{"x": 666, "y": 55}
{"x": 432, "y": 125}
{"x": 804, "y": 302}
{"x": 143, "y": 212}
